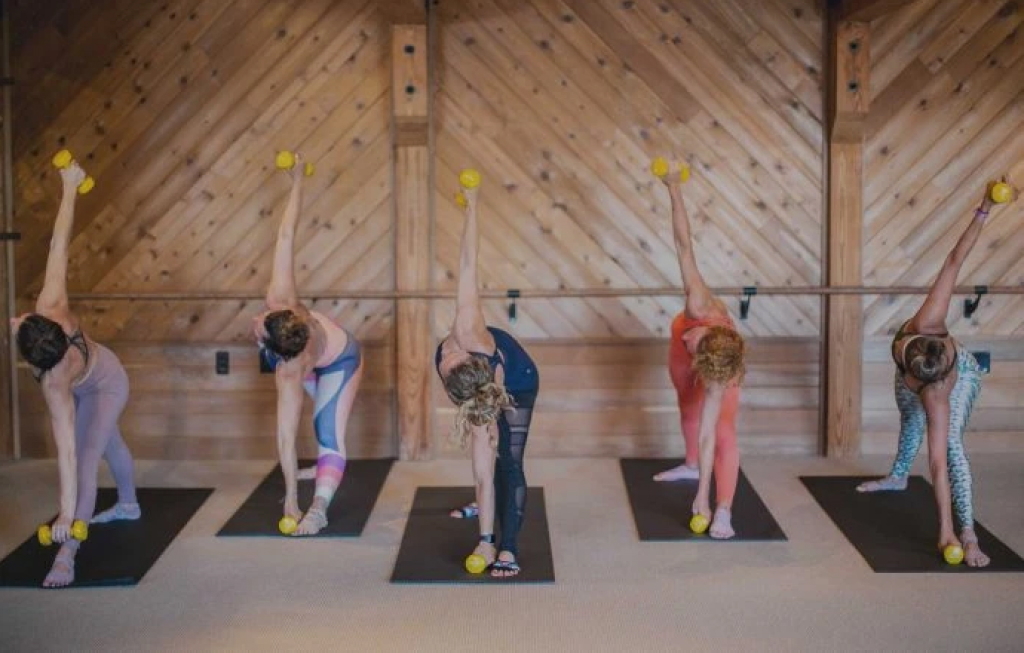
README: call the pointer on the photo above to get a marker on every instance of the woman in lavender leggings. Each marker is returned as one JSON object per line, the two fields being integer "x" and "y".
{"x": 85, "y": 388}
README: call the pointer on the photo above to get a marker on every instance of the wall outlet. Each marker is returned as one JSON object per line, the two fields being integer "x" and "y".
{"x": 984, "y": 359}
{"x": 223, "y": 363}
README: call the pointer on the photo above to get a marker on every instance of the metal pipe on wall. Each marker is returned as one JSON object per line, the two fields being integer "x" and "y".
{"x": 542, "y": 293}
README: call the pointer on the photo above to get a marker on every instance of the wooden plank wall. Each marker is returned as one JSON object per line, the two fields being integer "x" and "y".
{"x": 562, "y": 104}
{"x": 615, "y": 398}
{"x": 947, "y": 114}
{"x": 181, "y": 409}
{"x": 996, "y": 420}
{"x": 179, "y": 121}
{"x": 176, "y": 106}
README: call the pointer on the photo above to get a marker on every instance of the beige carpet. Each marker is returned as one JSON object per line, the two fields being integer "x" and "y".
{"x": 813, "y": 593}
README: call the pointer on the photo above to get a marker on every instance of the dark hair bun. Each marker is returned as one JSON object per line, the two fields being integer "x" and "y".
{"x": 287, "y": 334}
{"x": 42, "y": 342}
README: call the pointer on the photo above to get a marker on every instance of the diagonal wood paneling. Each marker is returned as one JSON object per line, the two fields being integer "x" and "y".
{"x": 177, "y": 106}
{"x": 562, "y": 103}
{"x": 947, "y": 115}
{"x": 177, "y": 110}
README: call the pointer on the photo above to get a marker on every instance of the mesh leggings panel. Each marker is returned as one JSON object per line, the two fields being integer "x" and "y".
{"x": 509, "y": 479}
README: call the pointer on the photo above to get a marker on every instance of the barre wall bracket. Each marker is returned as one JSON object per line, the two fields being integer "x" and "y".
{"x": 971, "y": 305}
{"x": 513, "y": 314}
{"x": 748, "y": 294}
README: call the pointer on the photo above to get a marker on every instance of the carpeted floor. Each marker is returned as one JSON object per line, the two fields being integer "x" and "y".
{"x": 813, "y": 593}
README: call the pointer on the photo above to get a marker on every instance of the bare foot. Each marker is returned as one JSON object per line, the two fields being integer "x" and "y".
{"x": 506, "y": 566}
{"x": 680, "y": 473}
{"x": 467, "y": 511}
{"x": 120, "y": 511}
{"x": 973, "y": 555}
{"x": 887, "y": 484}
{"x": 721, "y": 526}
{"x": 314, "y": 521}
{"x": 62, "y": 573}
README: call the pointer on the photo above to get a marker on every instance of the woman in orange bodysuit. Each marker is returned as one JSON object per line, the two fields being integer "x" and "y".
{"x": 706, "y": 365}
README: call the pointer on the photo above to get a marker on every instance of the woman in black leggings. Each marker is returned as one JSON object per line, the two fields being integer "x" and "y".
{"x": 493, "y": 381}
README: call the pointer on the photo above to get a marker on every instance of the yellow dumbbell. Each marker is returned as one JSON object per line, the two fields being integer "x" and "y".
{"x": 79, "y": 531}
{"x": 287, "y": 525}
{"x": 475, "y": 563}
{"x": 699, "y": 523}
{"x": 953, "y": 554}
{"x": 62, "y": 160}
{"x": 469, "y": 178}
{"x": 1001, "y": 193}
{"x": 285, "y": 160}
{"x": 660, "y": 168}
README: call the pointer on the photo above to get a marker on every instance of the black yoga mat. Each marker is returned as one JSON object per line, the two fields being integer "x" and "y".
{"x": 346, "y": 516}
{"x": 435, "y": 545}
{"x": 117, "y": 553}
{"x": 898, "y": 531}
{"x": 662, "y": 510}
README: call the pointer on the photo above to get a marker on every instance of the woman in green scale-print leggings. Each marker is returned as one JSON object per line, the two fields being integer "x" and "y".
{"x": 937, "y": 382}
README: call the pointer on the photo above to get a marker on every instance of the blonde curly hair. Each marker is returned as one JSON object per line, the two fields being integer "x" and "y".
{"x": 719, "y": 357}
{"x": 471, "y": 387}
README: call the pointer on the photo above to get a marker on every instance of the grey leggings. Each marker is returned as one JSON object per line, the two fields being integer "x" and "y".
{"x": 99, "y": 401}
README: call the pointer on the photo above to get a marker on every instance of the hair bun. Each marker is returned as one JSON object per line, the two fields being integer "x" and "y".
{"x": 934, "y": 348}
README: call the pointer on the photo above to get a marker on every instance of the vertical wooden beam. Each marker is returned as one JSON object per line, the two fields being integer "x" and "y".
{"x": 412, "y": 162}
{"x": 851, "y": 69}
{"x": 410, "y": 94}
{"x": 10, "y": 445}
{"x": 868, "y": 10}
{"x": 843, "y": 315}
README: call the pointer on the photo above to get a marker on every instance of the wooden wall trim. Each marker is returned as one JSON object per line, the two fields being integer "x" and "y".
{"x": 843, "y": 315}
{"x": 412, "y": 160}
{"x": 868, "y": 10}
{"x": 10, "y": 444}
{"x": 851, "y": 92}
{"x": 403, "y": 12}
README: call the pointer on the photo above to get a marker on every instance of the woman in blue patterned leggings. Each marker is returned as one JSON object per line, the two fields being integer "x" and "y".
{"x": 937, "y": 382}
